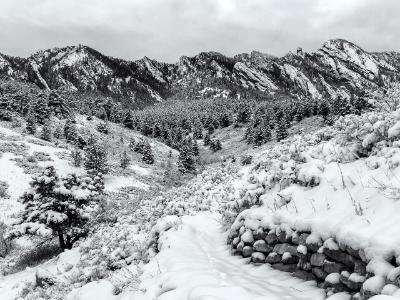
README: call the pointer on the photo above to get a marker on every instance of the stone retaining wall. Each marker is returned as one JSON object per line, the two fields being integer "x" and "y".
{"x": 335, "y": 267}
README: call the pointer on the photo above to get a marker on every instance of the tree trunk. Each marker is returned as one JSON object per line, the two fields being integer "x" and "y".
{"x": 61, "y": 241}
{"x": 68, "y": 243}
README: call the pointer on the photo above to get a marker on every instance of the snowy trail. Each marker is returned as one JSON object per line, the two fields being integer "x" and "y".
{"x": 195, "y": 264}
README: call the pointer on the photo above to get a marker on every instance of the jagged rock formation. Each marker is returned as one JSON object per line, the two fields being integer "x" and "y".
{"x": 338, "y": 69}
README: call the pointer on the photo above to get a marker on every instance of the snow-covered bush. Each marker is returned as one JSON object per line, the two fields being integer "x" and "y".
{"x": 310, "y": 174}
{"x": 389, "y": 100}
{"x": 246, "y": 160}
{"x": 3, "y": 190}
{"x": 4, "y": 246}
{"x": 109, "y": 249}
{"x": 103, "y": 128}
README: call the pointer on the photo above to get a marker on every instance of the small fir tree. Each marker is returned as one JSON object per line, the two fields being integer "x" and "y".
{"x": 58, "y": 207}
{"x": 185, "y": 160}
{"x": 147, "y": 152}
{"x": 77, "y": 158}
{"x": 215, "y": 145}
{"x": 46, "y": 132}
{"x": 70, "y": 132}
{"x": 128, "y": 120}
{"x": 125, "y": 161}
{"x": 58, "y": 132}
{"x": 195, "y": 148}
{"x": 95, "y": 157}
{"x": 31, "y": 123}
{"x": 281, "y": 130}
{"x": 207, "y": 140}
{"x": 41, "y": 109}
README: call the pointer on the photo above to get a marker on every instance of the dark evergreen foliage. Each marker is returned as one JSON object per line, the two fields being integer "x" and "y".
{"x": 215, "y": 145}
{"x": 95, "y": 157}
{"x": 124, "y": 163}
{"x": 186, "y": 162}
{"x": 31, "y": 123}
{"x": 70, "y": 132}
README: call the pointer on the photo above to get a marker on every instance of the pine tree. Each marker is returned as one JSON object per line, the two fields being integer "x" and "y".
{"x": 215, "y": 145}
{"x": 224, "y": 120}
{"x": 31, "y": 123}
{"x": 156, "y": 131}
{"x": 207, "y": 139}
{"x": 281, "y": 130}
{"x": 128, "y": 120}
{"x": 195, "y": 148}
{"x": 46, "y": 132}
{"x": 243, "y": 113}
{"x": 249, "y": 134}
{"x": 57, "y": 105}
{"x": 70, "y": 132}
{"x": 125, "y": 161}
{"x": 341, "y": 106}
{"x": 324, "y": 109}
{"x": 210, "y": 129}
{"x": 198, "y": 133}
{"x": 52, "y": 207}
{"x": 76, "y": 157}
{"x": 262, "y": 133}
{"x": 168, "y": 168}
{"x": 58, "y": 132}
{"x": 138, "y": 146}
{"x": 185, "y": 160}
{"x": 41, "y": 109}
{"x": 95, "y": 157}
{"x": 148, "y": 156}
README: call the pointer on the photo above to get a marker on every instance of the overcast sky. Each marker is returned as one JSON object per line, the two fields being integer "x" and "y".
{"x": 167, "y": 29}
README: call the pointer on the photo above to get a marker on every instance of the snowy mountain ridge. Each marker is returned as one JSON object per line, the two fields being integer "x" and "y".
{"x": 338, "y": 69}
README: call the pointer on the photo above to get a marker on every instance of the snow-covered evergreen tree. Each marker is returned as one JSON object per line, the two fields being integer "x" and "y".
{"x": 31, "y": 122}
{"x": 47, "y": 132}
{"x": 41, "y": 109}
{"x": 215, "y": 145}
{"x": 70, "y": 132}
{"x": 207, "y": 139}
{"x": 195, "y": 148}
{"x": 58, "y": 208}
{"x": 77, "y": 158}
{"x": 185, "y": 160}
{"x": 128, "y": 120}
{"x": 95, "y": 157}
{"x": 124, "y": 163}
{"x": 198, "y": 132}
{"x": 281, "y": 129}
{"x": 262, "y": 133}
{"x": 148, "y": 156}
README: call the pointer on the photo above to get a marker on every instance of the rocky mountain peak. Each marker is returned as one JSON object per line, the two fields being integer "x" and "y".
{"x": 338, "y": 68}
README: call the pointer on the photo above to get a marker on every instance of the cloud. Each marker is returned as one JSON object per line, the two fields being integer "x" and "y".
{"x": 167, "y": 29}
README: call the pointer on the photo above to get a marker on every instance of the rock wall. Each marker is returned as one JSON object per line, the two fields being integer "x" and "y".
{"x": 334, "y": 266}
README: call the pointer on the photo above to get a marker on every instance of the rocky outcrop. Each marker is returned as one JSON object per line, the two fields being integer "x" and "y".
{"x": 335, "y": 267}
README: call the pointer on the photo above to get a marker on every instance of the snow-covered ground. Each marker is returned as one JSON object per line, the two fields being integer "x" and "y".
{"x": 340, "y": 182}
{"x": 195, "y": 263}
{"x": 58, "y": 155}
{"x": 12, "y": 285}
